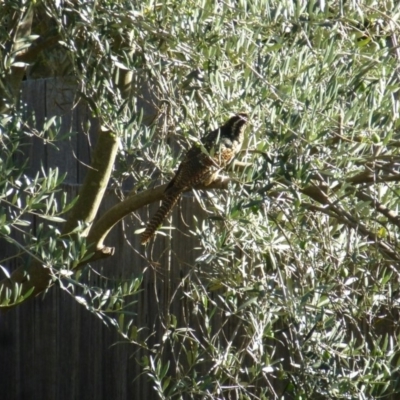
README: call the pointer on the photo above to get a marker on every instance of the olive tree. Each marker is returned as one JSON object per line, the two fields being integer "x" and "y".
{"x": 300, "y": 248}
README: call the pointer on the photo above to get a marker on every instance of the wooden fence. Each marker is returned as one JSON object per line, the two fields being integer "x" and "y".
{"x": 51, "y": 347}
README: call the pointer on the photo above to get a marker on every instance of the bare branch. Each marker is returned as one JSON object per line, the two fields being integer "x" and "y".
{"x": 340, "y": 214}
{"x": 96, "y": 181}
{"x": 103, "y": 226}
{"x": 389, "y": 214}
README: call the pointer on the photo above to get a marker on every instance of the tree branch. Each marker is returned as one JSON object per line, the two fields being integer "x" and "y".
{"x": 95, "y": 184}
{"x": 103, "y": 226}
{"x": 38, "y": 276}
{"x": 332, "y": 210}
{"x": 389, "y": 214}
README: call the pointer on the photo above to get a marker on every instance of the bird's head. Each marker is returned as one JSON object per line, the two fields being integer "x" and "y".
{"x": 235, "y": 126}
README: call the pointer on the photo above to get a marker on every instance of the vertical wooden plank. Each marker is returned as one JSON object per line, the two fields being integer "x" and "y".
{"x": 68, "y": 331}
{"x": 67, "y": 337}
{"x": 33, "y": 95}
{"x": 62, "y": 153}
{"x": 86, "y": 128}
{"x": 45, "y": 348}
{"x": 183, "y": 261}
{"x": 10, "y": 368}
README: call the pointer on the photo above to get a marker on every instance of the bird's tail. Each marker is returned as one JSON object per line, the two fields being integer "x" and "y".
{"x": 167, "y": 204}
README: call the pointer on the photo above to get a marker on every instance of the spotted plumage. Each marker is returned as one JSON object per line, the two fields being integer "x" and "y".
{"x": 200, "y": 166}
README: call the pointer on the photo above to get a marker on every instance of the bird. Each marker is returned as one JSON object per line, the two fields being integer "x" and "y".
{"x": 200, "y": 166}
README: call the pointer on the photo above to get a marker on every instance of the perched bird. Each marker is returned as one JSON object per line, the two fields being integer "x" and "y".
{"x": 200, "y": 166}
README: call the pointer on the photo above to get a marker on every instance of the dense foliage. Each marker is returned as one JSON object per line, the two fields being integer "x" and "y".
{"x": 296, "y": 292}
